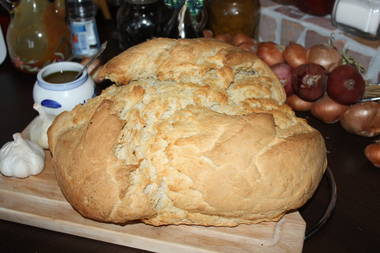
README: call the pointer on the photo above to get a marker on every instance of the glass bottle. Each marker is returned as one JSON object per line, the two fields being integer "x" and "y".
{"x": 37, "y": 34}
{"x": 84, "y": 33}
{"x": 139, "y": 20}
{"x": 360, "y": 18}
{"x": 189, "y": 19}
{"x": 114, "y": 6}
{"x": 233, "y": 16}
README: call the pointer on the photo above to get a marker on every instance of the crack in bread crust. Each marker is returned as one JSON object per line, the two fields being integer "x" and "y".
{"x": 195, "y": 132}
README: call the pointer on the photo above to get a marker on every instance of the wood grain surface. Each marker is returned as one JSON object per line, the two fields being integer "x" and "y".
{"x": 38, "y": 201}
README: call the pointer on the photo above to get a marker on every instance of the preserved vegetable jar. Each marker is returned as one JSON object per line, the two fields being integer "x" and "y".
{"x": 37, "y": 34}
{"x": 233, "y": 16}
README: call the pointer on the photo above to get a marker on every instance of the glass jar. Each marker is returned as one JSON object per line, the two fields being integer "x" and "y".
{"x": 139, "y": 20}
{"x": 316, "y": 7}
{"x": 233, "y": 16}
{"x": 37, "y": 34}
{"x": 360, "y": 18}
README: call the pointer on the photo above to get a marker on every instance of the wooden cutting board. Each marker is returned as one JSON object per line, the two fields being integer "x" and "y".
{"x": 38, "y": 201}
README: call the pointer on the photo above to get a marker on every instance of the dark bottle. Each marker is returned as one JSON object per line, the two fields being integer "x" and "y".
{"x": 140, "y": 20}
{"x": 114, "y": 6}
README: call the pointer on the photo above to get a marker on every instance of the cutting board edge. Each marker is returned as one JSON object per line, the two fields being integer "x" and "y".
{"x": 154, "y": 246}
{"x": 135, "y": 241}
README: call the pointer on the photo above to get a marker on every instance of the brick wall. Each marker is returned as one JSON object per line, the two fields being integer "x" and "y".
{"x": 285, "y": 23}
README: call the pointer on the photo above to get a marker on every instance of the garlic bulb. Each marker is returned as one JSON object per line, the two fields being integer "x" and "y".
{"x": 39, "y": 126}
{"x": 21, "y": 158}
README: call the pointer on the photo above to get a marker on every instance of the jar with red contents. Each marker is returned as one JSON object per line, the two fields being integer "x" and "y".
{"x": 316, "y": 7}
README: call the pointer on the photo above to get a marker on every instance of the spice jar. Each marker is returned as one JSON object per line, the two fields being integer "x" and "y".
{"x": 61, "y": 92}
{"x": 358, "y": 17}
{"x": 233, "y": 16}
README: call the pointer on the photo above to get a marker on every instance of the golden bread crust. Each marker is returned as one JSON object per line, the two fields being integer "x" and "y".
{"x": 198, "y": 134}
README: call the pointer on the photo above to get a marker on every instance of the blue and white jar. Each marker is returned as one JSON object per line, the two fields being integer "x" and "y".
{"x": 58, "y": 97}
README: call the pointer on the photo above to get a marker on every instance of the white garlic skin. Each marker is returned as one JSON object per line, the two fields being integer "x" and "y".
{"x": 21, "y": 158}
{"x": 39, "y": 126}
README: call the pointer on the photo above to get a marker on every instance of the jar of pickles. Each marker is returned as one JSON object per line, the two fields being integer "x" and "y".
{"x": 233, "y": 16}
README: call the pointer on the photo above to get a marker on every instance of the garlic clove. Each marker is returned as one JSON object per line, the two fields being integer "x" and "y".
{"x": 21, "y": 158}
{"x": 39, "y": 126}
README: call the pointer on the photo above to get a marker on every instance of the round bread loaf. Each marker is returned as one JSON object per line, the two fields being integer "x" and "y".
{"x": 194, "y": 132}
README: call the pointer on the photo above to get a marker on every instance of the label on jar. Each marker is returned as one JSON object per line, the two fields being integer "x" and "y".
{"x": 84, "y": 37}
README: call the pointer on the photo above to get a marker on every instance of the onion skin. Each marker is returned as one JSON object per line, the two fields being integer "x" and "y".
{"x": 284, "y": 74}
{"x": 309, "y": 81}
{"x": 345, "y": 85}
{"x": 362, "y": 119}
{"x": 270, "y": 53}
{"x": 207, "y": 33}
{"x": 295, "y": 55}
{"x": 241, "y": 38}
{"x": 298, "y": 104}
{"x": 225, "y": 37}
{"x": 249, "y": 47}
{"x": 327, "y": 110}
{"x": 323, "y": 55}
{"x": 372, "y": 152}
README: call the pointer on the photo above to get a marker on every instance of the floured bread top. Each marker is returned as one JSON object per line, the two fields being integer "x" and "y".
{"x": 194, "y": 132}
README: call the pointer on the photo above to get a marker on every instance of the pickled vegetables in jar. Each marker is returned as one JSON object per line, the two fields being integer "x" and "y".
{"x": 233, "y": 16}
